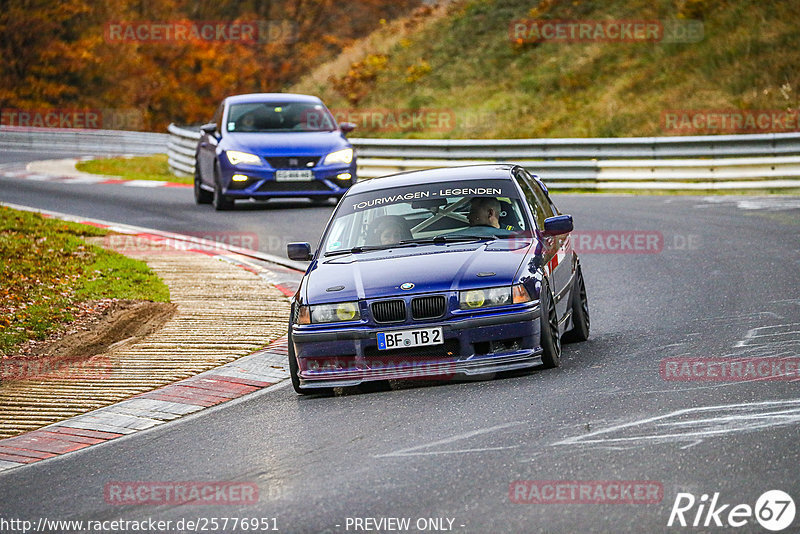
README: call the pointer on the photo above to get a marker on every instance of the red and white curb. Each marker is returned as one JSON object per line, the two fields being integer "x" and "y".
{"x": 246, "y": 375}
{"x": 65, "y": 173}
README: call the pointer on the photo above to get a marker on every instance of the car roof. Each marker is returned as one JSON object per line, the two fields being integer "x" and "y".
{"x": 272, "y": 97}
{"x": 467, "y": 173}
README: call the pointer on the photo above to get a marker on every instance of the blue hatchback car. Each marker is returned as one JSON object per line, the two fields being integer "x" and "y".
{"x": 438, "y": 273}
{"x": 272, "y": 145}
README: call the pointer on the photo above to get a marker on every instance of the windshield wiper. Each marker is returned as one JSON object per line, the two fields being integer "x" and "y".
{"x": 367, "y": 248}
{"x": 446, "y": 238}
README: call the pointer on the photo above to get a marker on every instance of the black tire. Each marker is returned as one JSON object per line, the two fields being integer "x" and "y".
{"x": 550, "y": 338}
{"x": 201, "y": 196}
{"x": 294, "y": 373}
{"x": 580, "y": 311}
{"x": 220, "y": 201}
{"x": 294, "y": 370}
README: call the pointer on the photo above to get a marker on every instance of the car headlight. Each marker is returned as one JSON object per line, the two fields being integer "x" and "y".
{"x": 329, "y": 313}
{"x": 340, "y": 156}
{"x": 236, "y": 157}
{"x": 472, "y": 299}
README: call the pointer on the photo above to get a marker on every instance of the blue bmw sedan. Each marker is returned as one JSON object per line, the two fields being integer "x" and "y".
{"x": 272, "y": 145}
{"x": 440, "y": 273}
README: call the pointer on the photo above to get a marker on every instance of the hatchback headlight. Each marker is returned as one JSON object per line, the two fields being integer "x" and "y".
{"x": 472, "y": 299}
{"x": 236, "y": 157}
{"x": 340, "y": 156}
{"x": 329, "y": 313}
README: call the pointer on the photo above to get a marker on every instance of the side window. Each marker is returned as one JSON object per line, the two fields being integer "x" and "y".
{"x": 540, "y": 205}
{"x": 547, "y": 207}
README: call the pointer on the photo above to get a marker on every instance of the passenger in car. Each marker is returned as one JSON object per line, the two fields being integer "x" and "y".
{"x": 387, "y": 230}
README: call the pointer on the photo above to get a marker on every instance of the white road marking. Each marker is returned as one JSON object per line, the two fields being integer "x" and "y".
{"x": 768, "y": 334}
{"x": 84, "y": 179}
{"x": 461, "y": 451}
{"x": 756, "y": 203}
{"x": 144, "y": 183}
{"x": 411, "y": 450}
{"x": 731, "y": 418}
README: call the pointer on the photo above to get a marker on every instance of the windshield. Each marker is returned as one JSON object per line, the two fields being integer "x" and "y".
{"x": 417, "y": 214}
{"x": 279, "y": 117}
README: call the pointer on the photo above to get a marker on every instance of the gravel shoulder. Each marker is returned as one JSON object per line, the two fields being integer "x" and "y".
{"x": 219, "y": 312}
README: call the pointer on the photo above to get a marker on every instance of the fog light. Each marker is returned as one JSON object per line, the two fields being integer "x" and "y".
{"x": 344, "y": 176}
{"x": 239, "y": 178}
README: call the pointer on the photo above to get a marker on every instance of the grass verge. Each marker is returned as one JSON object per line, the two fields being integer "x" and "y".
{"x": 48, "y": 268}
{"x": 137, "y": 168}
{"x": 468, "y": 67}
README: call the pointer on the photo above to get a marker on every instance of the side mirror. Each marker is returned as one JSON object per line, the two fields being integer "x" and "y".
{"x": 209, "y": 128}
{"x": 560, "y": 224}
{"x": 299, "y": 251}
{"x": 347, "y": 127}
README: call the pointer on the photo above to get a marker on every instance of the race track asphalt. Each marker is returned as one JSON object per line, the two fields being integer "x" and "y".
{"x": 723, "y": 284}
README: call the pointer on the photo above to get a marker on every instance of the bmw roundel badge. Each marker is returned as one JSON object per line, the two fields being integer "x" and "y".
{"x": 406, "y": 286}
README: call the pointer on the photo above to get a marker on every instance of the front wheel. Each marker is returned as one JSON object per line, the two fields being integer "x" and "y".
{"x": 549, "y": 336}
{"x": 201, "y": 196}
{"x": 580, "y": 310}
{"x": 294, "y": 372}
{"x": 221, "y": 202}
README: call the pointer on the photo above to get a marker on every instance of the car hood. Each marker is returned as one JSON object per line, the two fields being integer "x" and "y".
{"x": 431, "y": 268}
{"x": 286, "y": 143}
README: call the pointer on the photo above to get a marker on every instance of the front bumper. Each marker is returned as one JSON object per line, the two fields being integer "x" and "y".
{"x": 261, "y": 182}
{"x": 348, "y": 356}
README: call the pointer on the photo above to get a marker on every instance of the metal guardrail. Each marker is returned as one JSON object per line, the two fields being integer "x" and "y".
{"x": 587, "y": 162}
{"x": 696, "y": 162}
{"x": 691, "y": 162}
{"x": 650, "y": 162}
{"x": 78, "y": 140}
{"x": 181, "y": 149}
{"x": 707, "y": 146}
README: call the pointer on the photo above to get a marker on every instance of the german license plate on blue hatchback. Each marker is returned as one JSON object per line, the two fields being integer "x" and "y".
{"x": 410, "y": 338}
{"x": 291, "y": 175}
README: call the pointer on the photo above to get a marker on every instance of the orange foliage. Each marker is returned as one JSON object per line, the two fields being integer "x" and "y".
{"x": 61, "y": 55}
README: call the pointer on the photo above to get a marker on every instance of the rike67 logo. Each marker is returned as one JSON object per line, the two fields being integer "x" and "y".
{"x": 774, "y": 510}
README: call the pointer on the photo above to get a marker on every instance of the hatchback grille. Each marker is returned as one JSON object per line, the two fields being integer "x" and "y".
{"x": 428, "y": 307}
{"x": 294, "y": 162}
{"x": 389, "y": 311}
